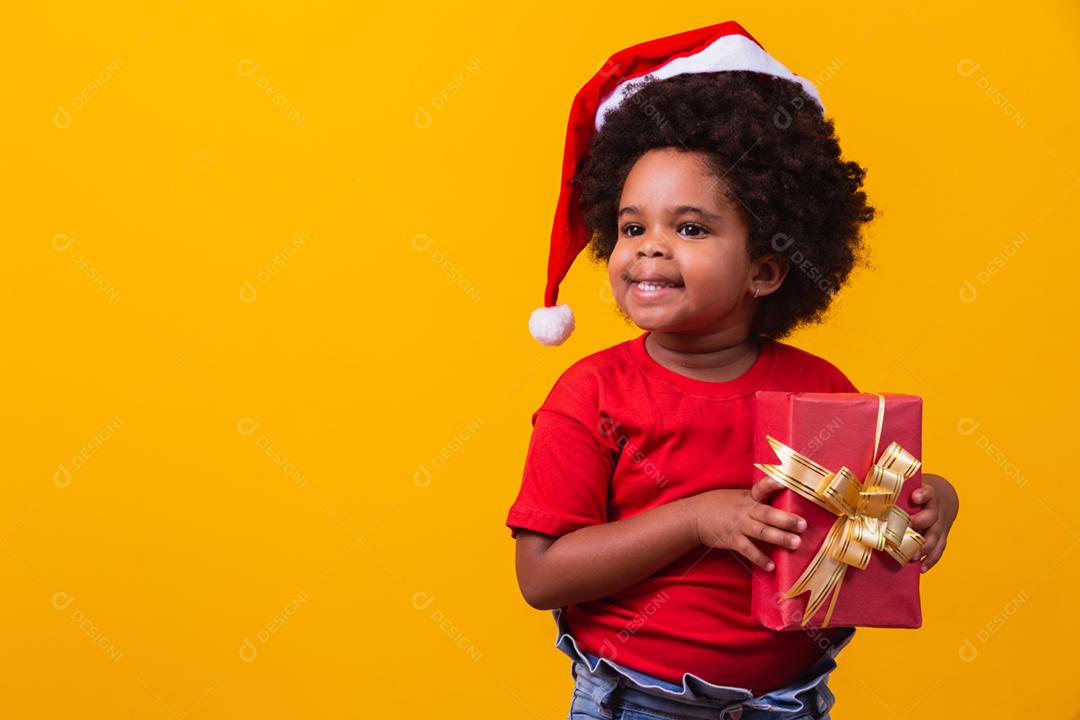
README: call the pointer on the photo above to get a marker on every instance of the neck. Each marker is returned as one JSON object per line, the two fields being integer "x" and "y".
{"x": 716, "y": 357}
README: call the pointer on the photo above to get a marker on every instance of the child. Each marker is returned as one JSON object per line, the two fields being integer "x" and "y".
{"x": 709, "y": 182}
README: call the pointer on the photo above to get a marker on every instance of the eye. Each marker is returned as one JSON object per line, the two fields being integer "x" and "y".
{"x": 626, "y": 229}
{"x": 695, "y": 225}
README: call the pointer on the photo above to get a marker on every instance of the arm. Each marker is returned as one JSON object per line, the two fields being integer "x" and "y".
{"x": 600, "y": 560}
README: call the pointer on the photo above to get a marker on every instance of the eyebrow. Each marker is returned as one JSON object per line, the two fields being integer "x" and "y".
{"x": 677, "y": 210}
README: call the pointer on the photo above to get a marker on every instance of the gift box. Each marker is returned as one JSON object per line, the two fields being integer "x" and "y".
{"x": 849, "y": 463}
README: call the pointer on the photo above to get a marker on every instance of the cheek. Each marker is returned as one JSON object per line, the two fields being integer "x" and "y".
{"x": 714, "y": 280}
{"x": 617, "y": 265}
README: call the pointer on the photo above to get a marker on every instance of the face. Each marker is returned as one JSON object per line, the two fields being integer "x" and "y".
{"x": 680, "y": 262}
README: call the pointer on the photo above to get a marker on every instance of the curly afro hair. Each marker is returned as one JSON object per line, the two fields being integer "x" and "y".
{"x": 779, "y": 160}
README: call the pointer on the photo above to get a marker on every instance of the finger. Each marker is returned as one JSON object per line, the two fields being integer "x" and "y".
{"x": 752, "y": 553}
{"x": 924, "y": 519}
{"x": 777, "y": 518}
{"x": 933, "y": 557}
{"x": 763, "y": 488}
{"x": 923, "y": 494}
{"x": 932, "y": 540}
{"x": 767, "y": 533}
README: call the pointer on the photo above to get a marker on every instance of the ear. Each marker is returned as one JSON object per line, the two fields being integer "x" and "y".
{"x": 767, "y": 273}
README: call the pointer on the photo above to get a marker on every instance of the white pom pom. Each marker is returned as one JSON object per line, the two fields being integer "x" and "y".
{"x": 551, "y": 325}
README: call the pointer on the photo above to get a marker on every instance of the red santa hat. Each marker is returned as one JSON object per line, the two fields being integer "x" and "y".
{"x": 716, "y": 48}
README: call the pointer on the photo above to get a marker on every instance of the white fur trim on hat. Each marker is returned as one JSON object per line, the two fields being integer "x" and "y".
{"x": 730, "y": 52}
{"x": 551, "y": 325}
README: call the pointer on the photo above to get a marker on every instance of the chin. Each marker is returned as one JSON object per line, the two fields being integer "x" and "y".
{"x": 667, "y": 324}
{"x": 653, "y": 324}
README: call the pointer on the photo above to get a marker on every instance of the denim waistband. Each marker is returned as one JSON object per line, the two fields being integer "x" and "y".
{"x": 600, "y": 677}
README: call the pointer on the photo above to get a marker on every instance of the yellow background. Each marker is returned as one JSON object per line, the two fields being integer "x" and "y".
{"x": 267, "y": 380}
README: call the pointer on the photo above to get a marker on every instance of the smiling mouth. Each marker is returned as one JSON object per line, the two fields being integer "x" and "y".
{"x": 649, "y": 286}
{"x": 653, "y": 290}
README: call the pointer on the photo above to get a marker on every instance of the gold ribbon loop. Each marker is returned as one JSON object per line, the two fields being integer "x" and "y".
{"x": 868, "y": 517}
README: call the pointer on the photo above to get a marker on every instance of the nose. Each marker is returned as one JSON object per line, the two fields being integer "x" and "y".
{"x": 653, "y": 245}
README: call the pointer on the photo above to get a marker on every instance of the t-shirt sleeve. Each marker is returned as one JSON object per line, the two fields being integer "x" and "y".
{"x": 568, "y": 466}
{"x": 843, "y": 384}
{"x": 831, "y": 378}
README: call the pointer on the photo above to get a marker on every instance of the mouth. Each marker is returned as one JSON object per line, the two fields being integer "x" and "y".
{"x": 654, "y": 288}
{"x": 655, "y": 284}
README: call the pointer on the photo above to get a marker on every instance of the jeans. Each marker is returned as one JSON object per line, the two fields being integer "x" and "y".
{"x": 606, "y": 690}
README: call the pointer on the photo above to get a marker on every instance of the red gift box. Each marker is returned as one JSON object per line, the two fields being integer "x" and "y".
{"x": 856, "y": 515}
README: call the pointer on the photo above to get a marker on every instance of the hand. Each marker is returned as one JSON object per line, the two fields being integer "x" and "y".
{"x": 934, "y": 521}
{"x": 733, "y": 519}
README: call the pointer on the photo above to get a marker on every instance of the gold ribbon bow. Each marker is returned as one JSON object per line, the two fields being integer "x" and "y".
{"x": 868, "y": 517}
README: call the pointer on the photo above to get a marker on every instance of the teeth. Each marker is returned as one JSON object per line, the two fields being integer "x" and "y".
{"x": 653, "y": 286}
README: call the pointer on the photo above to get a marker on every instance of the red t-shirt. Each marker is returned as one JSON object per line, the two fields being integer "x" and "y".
{"x": 619, "y": 434}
